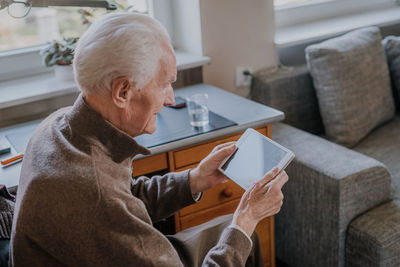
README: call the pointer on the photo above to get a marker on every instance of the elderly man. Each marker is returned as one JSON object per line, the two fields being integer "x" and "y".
{"x": 77, "y": 204}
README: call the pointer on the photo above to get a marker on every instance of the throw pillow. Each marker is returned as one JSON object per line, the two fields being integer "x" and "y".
{"x": 351, "y": 78}
{"x": 392, "y": 49}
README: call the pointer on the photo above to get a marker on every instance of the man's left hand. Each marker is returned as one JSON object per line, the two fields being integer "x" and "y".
{"x": 206, "y": 174}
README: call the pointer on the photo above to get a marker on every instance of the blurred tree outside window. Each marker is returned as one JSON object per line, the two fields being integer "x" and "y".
{"x": 42, "y": 25}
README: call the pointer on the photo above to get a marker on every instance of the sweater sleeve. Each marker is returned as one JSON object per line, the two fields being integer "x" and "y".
{"x": 232, "y": 249}
{"x": 163, "y": 195}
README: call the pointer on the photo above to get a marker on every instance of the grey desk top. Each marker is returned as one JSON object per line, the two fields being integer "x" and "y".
{"x": 244, "y": 112}
{"x": 174, "y": 124}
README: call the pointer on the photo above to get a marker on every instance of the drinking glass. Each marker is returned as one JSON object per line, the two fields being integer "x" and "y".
{"x": 198, "y": 109}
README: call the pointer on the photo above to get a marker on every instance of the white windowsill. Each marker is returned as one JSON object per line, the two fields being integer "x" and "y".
{"x": 186, "y": 60}
{"x": 315, "y": 31}
{"x": 44, "y": 86}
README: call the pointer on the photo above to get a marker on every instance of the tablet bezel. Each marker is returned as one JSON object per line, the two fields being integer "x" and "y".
{"x": 281, "y": 165}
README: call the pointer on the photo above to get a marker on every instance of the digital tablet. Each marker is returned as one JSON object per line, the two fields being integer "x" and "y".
{"x": 255, "y": 156}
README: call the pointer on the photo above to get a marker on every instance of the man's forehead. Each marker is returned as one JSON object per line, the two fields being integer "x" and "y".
{"x": 168, "y": 66}
{"x": 167, "y": 73}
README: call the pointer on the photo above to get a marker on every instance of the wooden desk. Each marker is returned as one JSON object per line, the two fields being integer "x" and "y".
{"x": 220, "y": 200}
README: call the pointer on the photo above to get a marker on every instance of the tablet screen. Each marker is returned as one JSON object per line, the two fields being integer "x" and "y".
{"x": 254, "y": 157}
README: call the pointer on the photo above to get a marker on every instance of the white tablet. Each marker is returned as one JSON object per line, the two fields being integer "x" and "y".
{"x": 255, "y": 156}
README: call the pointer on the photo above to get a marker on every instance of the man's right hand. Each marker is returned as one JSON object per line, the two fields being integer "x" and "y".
{"x": 263, "y": 199}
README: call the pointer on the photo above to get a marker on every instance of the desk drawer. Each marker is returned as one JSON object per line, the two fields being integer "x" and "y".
{"x": 150, "y": 164}
{"x": 215, "y": 196}
{"x": 196, "y": 153}
{"x": 208, "y": 214}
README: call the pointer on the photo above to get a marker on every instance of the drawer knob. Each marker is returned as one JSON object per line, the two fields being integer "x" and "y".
{"x": 227, "y": 192}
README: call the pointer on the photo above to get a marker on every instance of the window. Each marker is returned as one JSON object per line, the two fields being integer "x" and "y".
{"x": 21, "y": 39}
{"x": 45, "y": 24}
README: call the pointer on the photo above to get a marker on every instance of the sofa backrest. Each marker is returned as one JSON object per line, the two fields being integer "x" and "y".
{"x": 290, "y": 90}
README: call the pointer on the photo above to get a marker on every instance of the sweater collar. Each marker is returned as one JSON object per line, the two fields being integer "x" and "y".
{"x": 89, "y": 124}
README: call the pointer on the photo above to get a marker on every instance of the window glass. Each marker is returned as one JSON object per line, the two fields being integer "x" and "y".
{"x": 41, "y": 25}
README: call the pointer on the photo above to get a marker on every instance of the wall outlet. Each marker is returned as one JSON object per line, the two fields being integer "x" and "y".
{"x": 243, "y": 80}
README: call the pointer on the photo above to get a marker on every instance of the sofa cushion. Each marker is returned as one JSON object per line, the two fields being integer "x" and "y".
{"x": 290, "y": 90}
{"x": 392, "y": 50}
{"x": 373, "y": 239}
{"x": 383, "y": 144}
{"x": 351, "y": 78}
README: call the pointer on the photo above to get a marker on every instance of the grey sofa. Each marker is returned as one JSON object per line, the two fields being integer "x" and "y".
{"x": 341, "y": 205}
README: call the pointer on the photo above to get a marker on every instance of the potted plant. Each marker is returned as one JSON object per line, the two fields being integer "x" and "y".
{"x": 60, "y": 55}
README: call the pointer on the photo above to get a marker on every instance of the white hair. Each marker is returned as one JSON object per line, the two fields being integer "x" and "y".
{"x": 116, "y": 45}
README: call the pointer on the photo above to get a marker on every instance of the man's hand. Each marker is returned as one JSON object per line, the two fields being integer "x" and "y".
{"x": 263, "y": 199}
{"x": 206, "y": 174}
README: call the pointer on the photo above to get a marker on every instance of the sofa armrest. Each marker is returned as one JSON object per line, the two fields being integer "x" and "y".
{"x": 329, "y": 185}
{"x": 291, "y": 90}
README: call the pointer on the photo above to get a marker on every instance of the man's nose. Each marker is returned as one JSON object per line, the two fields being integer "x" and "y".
{"x": 169, "y": 97}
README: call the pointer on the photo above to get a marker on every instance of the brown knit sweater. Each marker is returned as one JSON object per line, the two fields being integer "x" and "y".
{"x": 77, "y": 204}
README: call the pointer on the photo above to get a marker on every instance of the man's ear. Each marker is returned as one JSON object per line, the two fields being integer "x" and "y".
{"x": 120, "y": 88}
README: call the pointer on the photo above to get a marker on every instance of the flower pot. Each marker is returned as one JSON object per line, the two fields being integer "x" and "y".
{"x": 64, "y": 72}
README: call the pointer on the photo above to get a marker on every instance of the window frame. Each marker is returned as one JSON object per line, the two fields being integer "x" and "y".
{"x": 319, "y": 10}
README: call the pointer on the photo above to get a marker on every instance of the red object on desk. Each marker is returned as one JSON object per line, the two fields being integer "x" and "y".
{"x": 12, "y": 159}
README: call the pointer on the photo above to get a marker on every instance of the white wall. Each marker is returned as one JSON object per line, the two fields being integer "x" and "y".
{"x": 236, "y": 33}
